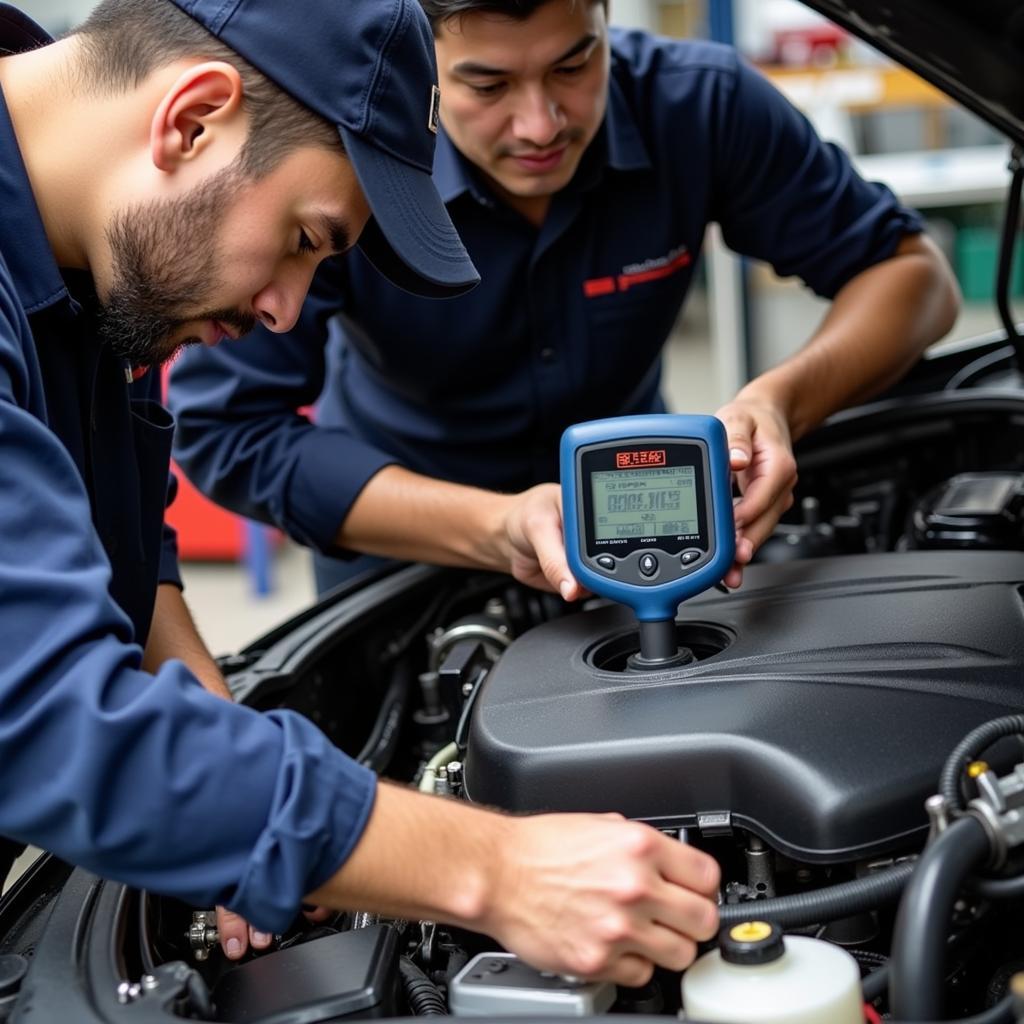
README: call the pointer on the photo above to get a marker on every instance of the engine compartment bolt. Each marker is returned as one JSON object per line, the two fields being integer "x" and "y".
{"x": 128, "y": 992}
{"x": 202, "y": 934}
{"x": 938, "y": 816}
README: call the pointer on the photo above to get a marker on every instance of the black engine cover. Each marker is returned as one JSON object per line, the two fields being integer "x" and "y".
{"x": 822, "y": 726}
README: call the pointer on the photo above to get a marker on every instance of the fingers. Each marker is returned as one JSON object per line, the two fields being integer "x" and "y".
{"x": 627, "y": 942}
{"x": 683, "y": 865}
{"x": 660, "y": 902}
{"x": 539, "y": 544}
{"x": 631, "y": 970}
{"x": 761, "y": 456}
{"x": 317, "y": 915}
{"x": 666, "y": 948}
{"x": 600, "y": 897}
{"x": 237, "y": 935}
{"x": 234, "y": 933}
{"x": 744, "y": 553}
{"x": 753, "y": 536}
{"x": 739, "y": 428}
{"x": 768, "y": 484}
{"x": 686, "y": 914}
{"x": 760, "y": 529}
{"x": 626, "y": 951}
{"x": 549, "y": 543}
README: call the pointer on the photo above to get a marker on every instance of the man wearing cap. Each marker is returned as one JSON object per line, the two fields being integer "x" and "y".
{"x": 173, "y": 173}
{"x": 581, "y": 166}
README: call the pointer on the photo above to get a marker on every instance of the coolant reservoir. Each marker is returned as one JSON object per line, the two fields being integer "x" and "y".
{"x": 757, "y": 977}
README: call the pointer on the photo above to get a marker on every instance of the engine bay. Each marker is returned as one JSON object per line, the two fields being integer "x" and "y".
{"x": 882, "y": 623}
{"x": 827, "y": 694}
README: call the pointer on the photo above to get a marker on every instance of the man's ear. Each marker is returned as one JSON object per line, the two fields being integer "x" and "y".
{"x": 205, "y": 100}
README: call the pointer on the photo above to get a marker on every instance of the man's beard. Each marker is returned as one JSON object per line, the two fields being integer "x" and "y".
{"x": 165, "y": 266}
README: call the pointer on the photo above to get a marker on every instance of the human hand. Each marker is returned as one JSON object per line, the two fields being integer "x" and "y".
{"x": 599, "y": 897}
{"x": 535, "y": 541}
{"x": 237, "y": 935}
{"x": 761, "y": 457}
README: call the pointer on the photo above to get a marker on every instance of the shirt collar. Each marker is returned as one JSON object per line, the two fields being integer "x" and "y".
{"x": 619, "y": 135}
{"x": 23, "y": 240}
{"x": 451, "y": 169}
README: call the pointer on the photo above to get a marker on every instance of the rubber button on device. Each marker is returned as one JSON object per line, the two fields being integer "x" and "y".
{"x": 648, "y": 565}
{"x": 606, "y": 562}
{"x": 689, "y": 557}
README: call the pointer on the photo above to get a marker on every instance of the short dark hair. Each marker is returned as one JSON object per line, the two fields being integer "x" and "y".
{"x": 123, "y": 41}
{"x": 441, "y": 11}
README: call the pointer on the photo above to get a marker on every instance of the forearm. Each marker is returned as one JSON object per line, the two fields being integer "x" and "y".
{"x": 578, "y": 893}
{"x": 876, "y": 329}
{"x": 174, "y": 635}
{"x": 404, "y": 515}
{"x": 421, "y": 857}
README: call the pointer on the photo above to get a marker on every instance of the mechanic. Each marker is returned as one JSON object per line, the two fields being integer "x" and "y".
{"x": 156, "y": 189}
{"x": 581, "y": 166}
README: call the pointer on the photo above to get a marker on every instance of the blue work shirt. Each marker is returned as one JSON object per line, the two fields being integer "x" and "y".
{"x": 569, "y": 319}
{"x": 152, "y": 781}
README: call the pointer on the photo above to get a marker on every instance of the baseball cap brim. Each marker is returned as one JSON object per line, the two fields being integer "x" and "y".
{"x": 410, "y": 238}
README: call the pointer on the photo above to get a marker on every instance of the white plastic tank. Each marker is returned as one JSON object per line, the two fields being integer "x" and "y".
{"x": 758, "y": 977}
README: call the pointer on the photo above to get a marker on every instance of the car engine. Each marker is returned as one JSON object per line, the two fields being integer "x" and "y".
{"x": 883, "y": 623}
{"x": 825, "y": 698}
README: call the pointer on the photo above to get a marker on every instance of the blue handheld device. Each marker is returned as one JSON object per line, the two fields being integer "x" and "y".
{"x": 647, "y": 511}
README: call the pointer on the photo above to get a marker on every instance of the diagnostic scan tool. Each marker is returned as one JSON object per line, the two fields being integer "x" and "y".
{"x": 647, "y": 510}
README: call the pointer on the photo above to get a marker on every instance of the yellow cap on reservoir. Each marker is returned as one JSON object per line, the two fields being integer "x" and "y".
{"x": 750, "y": 931}
{"x": 751, "y": 943}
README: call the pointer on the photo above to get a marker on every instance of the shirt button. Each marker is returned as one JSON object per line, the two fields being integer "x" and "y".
{"x": 548, "y": 355}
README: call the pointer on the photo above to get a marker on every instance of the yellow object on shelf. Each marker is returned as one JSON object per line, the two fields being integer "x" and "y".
{"x": 856, "y": 89}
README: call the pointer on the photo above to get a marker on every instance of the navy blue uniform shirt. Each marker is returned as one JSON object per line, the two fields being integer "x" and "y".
{"x": 152, "y": 781}
{"x": 569, "y": 320}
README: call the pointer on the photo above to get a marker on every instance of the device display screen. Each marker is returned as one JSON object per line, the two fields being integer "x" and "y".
{"x": 642, "y": 495}
{"x": 653, "y": 502}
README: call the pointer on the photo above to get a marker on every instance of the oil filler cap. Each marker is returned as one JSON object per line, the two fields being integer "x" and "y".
{"x": 751, "y": 943}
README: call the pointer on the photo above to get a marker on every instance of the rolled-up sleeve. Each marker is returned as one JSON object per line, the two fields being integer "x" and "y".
{"x": 243, "y": 441}
{"x": 149, "y": 780}
{"x": 169, "y": 571}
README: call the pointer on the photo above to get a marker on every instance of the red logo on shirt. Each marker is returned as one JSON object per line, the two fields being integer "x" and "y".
{"x": 639, "y": 273}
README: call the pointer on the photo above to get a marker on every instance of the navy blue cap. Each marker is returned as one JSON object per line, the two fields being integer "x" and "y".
{"x": 367, "y": 66}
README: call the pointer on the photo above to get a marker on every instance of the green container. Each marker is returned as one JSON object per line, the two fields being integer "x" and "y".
{"x": 977, "y": 260}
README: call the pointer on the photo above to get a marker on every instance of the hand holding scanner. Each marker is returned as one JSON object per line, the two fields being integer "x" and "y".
{"x": 647, "y": 510}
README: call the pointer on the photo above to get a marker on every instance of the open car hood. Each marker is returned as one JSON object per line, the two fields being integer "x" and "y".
{"x": 974, "y": 51}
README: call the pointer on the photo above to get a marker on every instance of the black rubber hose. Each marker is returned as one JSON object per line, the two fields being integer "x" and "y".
{"x": 1007, "y": 248}
{"x": 382, "y": 742}
{"x": 823, "y": 905}
{"x": 916, "y": 981}
{"x": 875, "y": 984}
{"x": 969, "y": 749}
{"x": 1001, "y": 1013}
{"x": 998, "y": 888}
{"x": 424, "y": 997}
